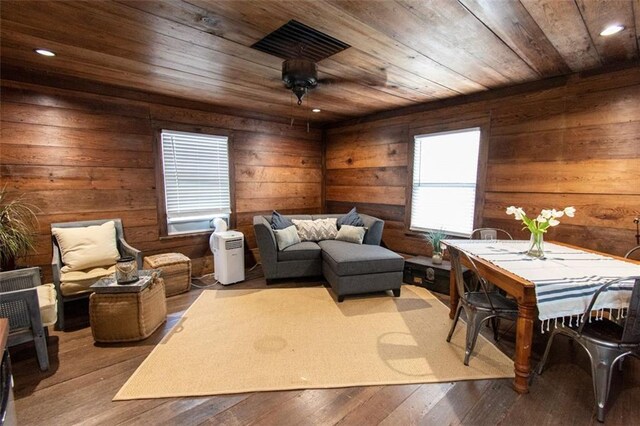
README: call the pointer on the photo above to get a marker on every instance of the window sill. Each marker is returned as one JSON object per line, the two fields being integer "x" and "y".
{"x": 189, "y": 235}
{"x": 410, "y": 233}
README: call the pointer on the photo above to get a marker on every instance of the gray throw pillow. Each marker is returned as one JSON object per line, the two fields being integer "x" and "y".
{"x": 279, "y": 222}
{"x": 352, "y": 218}
{"x": 351, "y": 234}
{"x": 286, "y": 237}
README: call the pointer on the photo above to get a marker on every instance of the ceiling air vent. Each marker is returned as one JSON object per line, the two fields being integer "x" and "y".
{"x": 296, "y": 40}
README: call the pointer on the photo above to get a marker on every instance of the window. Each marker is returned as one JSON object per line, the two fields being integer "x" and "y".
{"x": 196, "y": 180}
{"x": 445, "y": 168}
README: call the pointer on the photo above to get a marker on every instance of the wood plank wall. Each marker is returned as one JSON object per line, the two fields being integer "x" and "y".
{"x": 82, "y": 154}
{"x": 571, "y": 141}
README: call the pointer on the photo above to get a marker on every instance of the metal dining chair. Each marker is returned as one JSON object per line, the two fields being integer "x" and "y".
{"x": 634, "y": 253}
{"x": 490, "y": 234}
{"x": 605, "y": 341}
{"x": 479, "y": 306}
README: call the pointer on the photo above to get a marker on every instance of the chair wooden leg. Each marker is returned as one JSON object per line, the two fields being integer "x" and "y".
{"x": 41, "y": 350}
{"x": 60, "y": 323}
{"x": 396, "y": 292}
{"x": 340, "y": 299}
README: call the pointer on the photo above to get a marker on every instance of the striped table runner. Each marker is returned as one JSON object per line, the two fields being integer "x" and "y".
{"x": 565, "y": 279}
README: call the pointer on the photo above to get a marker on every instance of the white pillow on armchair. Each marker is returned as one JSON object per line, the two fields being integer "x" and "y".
{"x": 87, "y": 247}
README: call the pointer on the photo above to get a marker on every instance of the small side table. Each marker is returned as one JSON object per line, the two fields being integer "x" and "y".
{"x": 421, "y": 271}
{"x": 128, "y": 312}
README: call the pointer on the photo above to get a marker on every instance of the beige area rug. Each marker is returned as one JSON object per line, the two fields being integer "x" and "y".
{"x": 236, "y": 341}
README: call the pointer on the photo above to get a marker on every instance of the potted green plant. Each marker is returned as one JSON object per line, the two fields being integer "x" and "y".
{"x": 18, "y": 229}
{"x": 434, "y": 238}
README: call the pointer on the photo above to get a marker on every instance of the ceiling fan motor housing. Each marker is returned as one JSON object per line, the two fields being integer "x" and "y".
{"x": 299, "y": 72}
{"x": 299, "y": 75}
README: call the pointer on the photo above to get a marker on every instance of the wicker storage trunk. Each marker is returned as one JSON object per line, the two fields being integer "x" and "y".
{"x": 176, "y": 271}
{"x": 127, "y": 317}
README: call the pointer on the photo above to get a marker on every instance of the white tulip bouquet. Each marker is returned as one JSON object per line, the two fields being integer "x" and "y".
{"x": 545, "y": 219}
{"x": 538, "y": 226}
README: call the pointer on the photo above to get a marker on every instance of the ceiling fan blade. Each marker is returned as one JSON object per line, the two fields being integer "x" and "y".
{"x": 361, "y": 81}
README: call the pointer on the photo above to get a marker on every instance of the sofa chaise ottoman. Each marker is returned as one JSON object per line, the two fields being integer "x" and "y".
{"x": 361, "y": 269}
{"x": 348, "y": 267}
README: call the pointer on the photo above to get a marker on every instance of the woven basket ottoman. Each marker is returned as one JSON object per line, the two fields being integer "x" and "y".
{"x": 127, "y": 317}
{"x": 176, "y": 271}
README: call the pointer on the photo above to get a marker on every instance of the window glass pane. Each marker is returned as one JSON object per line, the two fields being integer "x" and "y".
{"x": 453, "y": 211}
{"x": 444, "y": 181}
{"x": 196, "y": 179}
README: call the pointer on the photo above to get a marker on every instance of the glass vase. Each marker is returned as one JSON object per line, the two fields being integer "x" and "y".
{"x": 536, "y": 245}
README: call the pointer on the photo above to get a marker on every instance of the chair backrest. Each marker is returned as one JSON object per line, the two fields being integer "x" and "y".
{"x": 631, "y": 328}
{"x": 457, "y": 261}
{"x": 84, "y": 224}
{"x": 490, "y": 234}
{"x": 13, "y": 302}
{"x": 634, "y": 253}
{"x": 631, "y": 333}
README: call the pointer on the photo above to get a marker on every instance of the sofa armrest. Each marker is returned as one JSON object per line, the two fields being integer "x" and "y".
{"x": 266, "y": 240}
{"x": 127, "y": 250}
{"x": 374, "y": 232}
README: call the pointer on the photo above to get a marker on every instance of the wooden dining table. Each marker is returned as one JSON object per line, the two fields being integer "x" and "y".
{"x": 524, "y": 293}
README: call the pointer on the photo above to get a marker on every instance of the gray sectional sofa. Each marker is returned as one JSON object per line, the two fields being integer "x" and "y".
{"x": 350, "y": 268}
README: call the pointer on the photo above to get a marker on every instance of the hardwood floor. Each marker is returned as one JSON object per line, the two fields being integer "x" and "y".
{"x": 84, "y": 376}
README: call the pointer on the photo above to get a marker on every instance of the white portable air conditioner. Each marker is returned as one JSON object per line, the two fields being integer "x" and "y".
{"x": 228, "y": 256}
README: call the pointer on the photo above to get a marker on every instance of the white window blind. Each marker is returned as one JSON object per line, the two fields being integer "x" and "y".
{"x": 444, "y": 181}
{"x": 196, "y": 176}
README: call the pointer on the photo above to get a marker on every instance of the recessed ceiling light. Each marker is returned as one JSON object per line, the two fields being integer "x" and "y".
{"x": 316, "y": 110}
{"x": 44, "y": 52}
{"x": 612, "y": 29}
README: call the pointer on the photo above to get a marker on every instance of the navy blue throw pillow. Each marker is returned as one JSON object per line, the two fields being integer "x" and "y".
{"x": 280, "y": 222}
{"x": 352, "y": 218}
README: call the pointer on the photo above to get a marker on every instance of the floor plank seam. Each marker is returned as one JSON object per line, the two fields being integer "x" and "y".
{"x": 359, "y": 405}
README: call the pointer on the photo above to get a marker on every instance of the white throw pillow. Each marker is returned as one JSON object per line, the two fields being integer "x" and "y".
{"x": 351, "y": 234}
{"x": 87, "y": 247}
{"x": 316, "y": 230}
{"x": 286, "y": 237}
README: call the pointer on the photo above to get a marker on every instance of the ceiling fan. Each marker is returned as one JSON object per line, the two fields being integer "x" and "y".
{"x": 302, "y": 47}
{"x": 299, "y": 75}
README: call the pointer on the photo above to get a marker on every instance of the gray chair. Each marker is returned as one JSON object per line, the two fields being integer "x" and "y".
{"x": 490, "y": 234}
{"x": 56, "y": 263}
{"x": 19, "y": 304}
{"x": 605, "y": 341}
{"x": 479, "y": 306}
{"x": 634, "y": 253}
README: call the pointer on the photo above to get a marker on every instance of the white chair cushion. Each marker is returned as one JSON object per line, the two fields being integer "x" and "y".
{"x": 87, "y": 247}
{"x": 76, "y": 282}
{"x": 47, "y": 302}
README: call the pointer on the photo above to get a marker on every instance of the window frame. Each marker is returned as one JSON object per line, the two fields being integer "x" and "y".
{"x": 482, "y": 124}
{"x": 159, "y": 176}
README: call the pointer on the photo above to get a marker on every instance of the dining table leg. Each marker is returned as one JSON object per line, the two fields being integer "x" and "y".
{"x": 524, "y": 340}
{"x": 453, "y": 295}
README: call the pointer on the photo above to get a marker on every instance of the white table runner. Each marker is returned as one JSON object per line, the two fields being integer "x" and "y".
{"x": 565, "y": 279}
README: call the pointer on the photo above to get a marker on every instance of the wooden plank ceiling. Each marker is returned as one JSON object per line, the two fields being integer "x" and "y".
{"x": 403, "y": 52}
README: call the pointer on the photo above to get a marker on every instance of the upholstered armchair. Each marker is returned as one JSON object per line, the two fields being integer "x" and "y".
{"x": 83, "y": 252}
{"x": 30, "y": 307}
